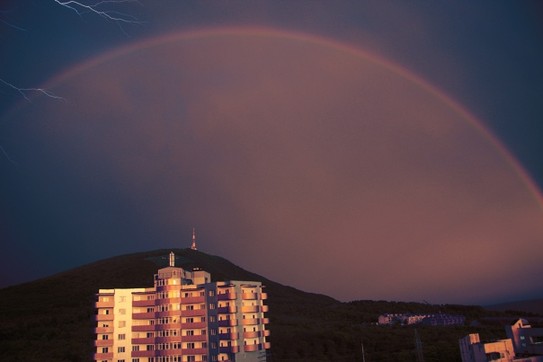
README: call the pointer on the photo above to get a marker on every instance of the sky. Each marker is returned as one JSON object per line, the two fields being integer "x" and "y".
{"x": 363, "y": 150}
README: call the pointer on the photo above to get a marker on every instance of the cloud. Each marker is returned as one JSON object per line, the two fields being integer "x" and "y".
{"x": 295, "y": 159}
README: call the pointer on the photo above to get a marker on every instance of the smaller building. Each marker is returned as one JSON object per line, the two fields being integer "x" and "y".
{"x": 439, "y": 319}
{"x": 525, "y": 344}
{"x": 472, "y": 350}
{"x": 526, "y": 340}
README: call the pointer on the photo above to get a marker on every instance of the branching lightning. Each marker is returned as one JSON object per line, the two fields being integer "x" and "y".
{"x": 25, "y": 91}
{"x": 98, "y": 8}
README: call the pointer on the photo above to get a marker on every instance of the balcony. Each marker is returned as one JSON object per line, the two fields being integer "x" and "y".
{"x": 150, "y": 340}
{"x": 143, "y": 328}
{"x": 227, "y": 310}
{"x": 103, "y": 330}
{"x": 143, "y": 303}
{"x": 168, "y": 288}
{"x": 194, "y": 325}
{"x": 263, "y": 296}
{"x": 103, "y": 356}
{"x": 265, "y": 320}
{"x": 168, "y": 313}
{"x": 194, "y": 338}
{"x": 252, "y": 347}
{"x": 266, "y": 333}
{"x": 265, "y": 308}
{"x": 193, "y": 351}
{"x": 250, "y": 309}
{"x": 104, "y": 317}
{"x": 193, "y": 312}
{"x": 229, "y": 349}
{"x": 102, "y": 304}
{"x": 164, "y": 301}
{"x": 145, "y": 315}
{"x": 251, "y": 334}
{"x": 228, "y": 323}
{"x": 169, "y": 339}
{"x": 267, "y": 345}
{"x": 249, "y": 296}
{"x": 166, "y": 326}
{"x": 193, "y": 300}
{"x": 227, "y": 296}
{"x": 141, "y": 354}
{"x": 168, "y": 352}
{"x": 103, "y": 343}
{"x": 228, "y": 336}
{"x": 250, "y": 322}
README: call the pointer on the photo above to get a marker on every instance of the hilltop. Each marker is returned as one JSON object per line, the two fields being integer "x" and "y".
{"x": 51, "y": 319}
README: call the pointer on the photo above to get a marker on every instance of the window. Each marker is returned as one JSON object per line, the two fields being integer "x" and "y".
{"x": 135, "y": 348}
{"x": 135, "y": 360}
{"x": 122, "y": 298}
{"x": 211, "y": 293}
{"x": 122, "y": 311}
{"x": 120, "y": 350}
{"x": 121, "y": 336}
{"x": 122, "y": 324}
{"x": 105, "y": 350}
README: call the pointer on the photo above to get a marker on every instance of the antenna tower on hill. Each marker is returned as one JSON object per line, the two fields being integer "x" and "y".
{"x": 193, "y": 245}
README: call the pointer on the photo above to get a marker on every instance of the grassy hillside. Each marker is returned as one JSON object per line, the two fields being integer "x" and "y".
{"x": 52, "y": 319}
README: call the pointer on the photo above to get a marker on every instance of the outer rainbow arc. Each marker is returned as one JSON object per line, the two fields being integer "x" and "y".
{"x": 319, "y": 40}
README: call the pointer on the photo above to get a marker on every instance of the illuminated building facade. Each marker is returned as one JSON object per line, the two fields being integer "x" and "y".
{"x": 525, "y": 344}
{"x": 184, "y": 317}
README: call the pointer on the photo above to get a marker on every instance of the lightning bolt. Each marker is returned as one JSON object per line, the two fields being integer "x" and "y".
{"x": 12, "y": 25}
{"x": 97, "y": 8}
{"x": 24, "y": 91}
{"x": 7, "y": 156}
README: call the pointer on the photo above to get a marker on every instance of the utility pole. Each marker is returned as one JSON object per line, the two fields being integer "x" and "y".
{"x": 418, "y": 347}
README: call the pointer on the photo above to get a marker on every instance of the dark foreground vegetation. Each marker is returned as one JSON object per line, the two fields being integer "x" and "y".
{"x": 52, "y": 319}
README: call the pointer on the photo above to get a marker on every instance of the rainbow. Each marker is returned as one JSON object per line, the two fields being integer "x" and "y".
{"x": 351, "y": 49}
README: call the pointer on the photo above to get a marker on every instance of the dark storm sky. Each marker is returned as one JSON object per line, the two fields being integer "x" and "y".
{"x": 321, "y": 132}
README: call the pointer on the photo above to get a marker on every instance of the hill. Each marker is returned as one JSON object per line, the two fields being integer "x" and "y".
{"x": 529, "y": 306}
{"x": 51, "y": 319}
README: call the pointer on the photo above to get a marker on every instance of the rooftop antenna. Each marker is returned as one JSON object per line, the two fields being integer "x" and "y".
{"x": 193, "y": 245}
{"x": 172, "y": 258}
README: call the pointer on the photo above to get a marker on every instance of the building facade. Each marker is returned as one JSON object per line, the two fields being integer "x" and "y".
{"x": 523, "y": 345}
{"x": 184, "y": 317}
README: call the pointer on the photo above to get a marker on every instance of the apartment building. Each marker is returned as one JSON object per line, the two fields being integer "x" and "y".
{"x": 184, "y": 317}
